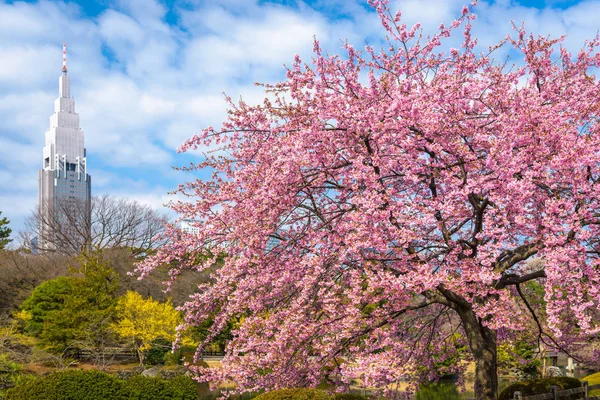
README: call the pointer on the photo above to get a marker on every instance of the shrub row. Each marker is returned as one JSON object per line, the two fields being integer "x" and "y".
{"x": 96, "y": 385}
{"x": 307, "y": 394}
{"x": 539, "y": 386}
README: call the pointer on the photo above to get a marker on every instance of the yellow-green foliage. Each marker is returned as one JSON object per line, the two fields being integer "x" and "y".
{"x": 519, "y": 354}
{"x": 140, "y": 321}
{"x": 593, "y": 379}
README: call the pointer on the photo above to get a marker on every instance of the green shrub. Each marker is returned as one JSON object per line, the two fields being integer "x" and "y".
{"x": 72, "y": 385}
{"x": 9, "y": 372}
{"x": 178, "y": 388}
{"x": 156, "y": 354}
{"x": 184, "y": 353}
{"x": 438, "y": 391}
{"x": 95, "y": 385}
{"x": 296, "y": 394}
{"x": 307, "y": 394}
{"x": 185, "y": 385}
{"x": 349, "y": 396}
{"x": 540, "y": 386}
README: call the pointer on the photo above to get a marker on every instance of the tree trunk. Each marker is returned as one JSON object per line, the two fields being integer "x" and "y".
{"x": 141, "y": 356}
{"x": 482, "y": 342}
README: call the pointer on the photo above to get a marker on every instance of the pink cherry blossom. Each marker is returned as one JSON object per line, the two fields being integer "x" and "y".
{"x": 376, "y": 214}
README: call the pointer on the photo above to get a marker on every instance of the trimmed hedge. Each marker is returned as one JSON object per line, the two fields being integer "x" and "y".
{"x": 539, "y": 386}
{"x": 181, "y": 388}
{"x": 72, "y": 385}
{"x": 96, "y": 385}
{"x": 437, "y": 391}
{"x": 349, "y": 396}
{"x": 307, "y": 394}
{"x": 295, "y": 394}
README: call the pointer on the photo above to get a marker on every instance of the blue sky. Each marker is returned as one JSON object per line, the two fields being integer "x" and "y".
{"x": 147, "y": 74}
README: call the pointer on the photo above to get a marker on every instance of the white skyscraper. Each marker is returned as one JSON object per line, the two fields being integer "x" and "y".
{"x": 190, "y": 226}
{"x": 63, "y": 182}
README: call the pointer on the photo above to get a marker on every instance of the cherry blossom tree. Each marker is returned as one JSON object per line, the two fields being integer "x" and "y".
{"x": 375, "y": 214}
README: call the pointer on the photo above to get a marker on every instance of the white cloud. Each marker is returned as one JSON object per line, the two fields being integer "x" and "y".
{"x": 144, "y": 10}
{"x": 15, "y": 155}
{"x": 120, "y": 30}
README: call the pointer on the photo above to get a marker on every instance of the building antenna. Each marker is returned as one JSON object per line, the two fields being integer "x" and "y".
{"x": 64, "y": 68}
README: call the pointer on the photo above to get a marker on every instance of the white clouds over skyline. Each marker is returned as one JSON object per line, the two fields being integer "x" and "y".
{"x": 144, "y": 83}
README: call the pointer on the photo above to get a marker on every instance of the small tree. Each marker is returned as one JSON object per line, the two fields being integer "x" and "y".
{"x": 73, "y": 311}
{"x": 140, "y": 321}
{"x": 46, "y": 300}
{"x": 5, "y": 232}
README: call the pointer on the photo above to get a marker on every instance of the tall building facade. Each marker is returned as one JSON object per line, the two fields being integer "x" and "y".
{"x": 190, "y": 226}
{"x": 63, "y": 182}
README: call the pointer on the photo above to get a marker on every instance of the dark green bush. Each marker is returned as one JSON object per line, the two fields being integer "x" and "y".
{"x": 159, "y": 348}
{"x": 178, "y": 388}
{"x": 307, "y": 394}
{"x": 296, "y": 394}
{"x": 185, "y": 385}
{"x": 95, "y": 385}
{"x": 72, "y": 385}
{"x": 438, "y": 391}
{"x": 540, "y": 386}
{"x": 184, "y": 353}
{"x": 349, "y": 396}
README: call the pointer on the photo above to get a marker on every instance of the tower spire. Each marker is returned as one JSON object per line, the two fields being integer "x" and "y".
{"x": 64, "y": 68}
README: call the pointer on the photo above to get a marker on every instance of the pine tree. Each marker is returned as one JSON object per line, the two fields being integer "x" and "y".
{"x": 5, "y": 232}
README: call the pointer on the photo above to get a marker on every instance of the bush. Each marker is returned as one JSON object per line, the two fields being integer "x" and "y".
{"x": 156, "y": 354}
{"x": 183, "y": 353}
{"x": 438, "y": 391}
{"x": 349, "y": 396}
{"x": 540, "y": 386}
{"x": 72, "y": 385}
{"x": 95, "y": 385}
{"x": 185, "y": 385}
{"x": 296, "y": 394}
{"x": 9, "y": 372}
{"x": 178, "y": 388}
{"x": 307, "y": 394}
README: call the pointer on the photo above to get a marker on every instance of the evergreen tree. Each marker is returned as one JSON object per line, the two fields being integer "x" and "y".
{"x": 73, "y": 311}
{"x": 5, "y": 232}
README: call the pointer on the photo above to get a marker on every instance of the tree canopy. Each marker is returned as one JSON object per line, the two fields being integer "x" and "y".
{"x": 140, "y": 321}
{"x": 379, "y": 202}
{"x": 106, "y": 222}
{"x": 73, "y": 311}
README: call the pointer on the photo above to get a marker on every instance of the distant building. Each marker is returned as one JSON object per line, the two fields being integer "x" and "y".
{"x": 190, "y": 226}
{"x": 64, "y": 186}
{"x": 272, "y": 242}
